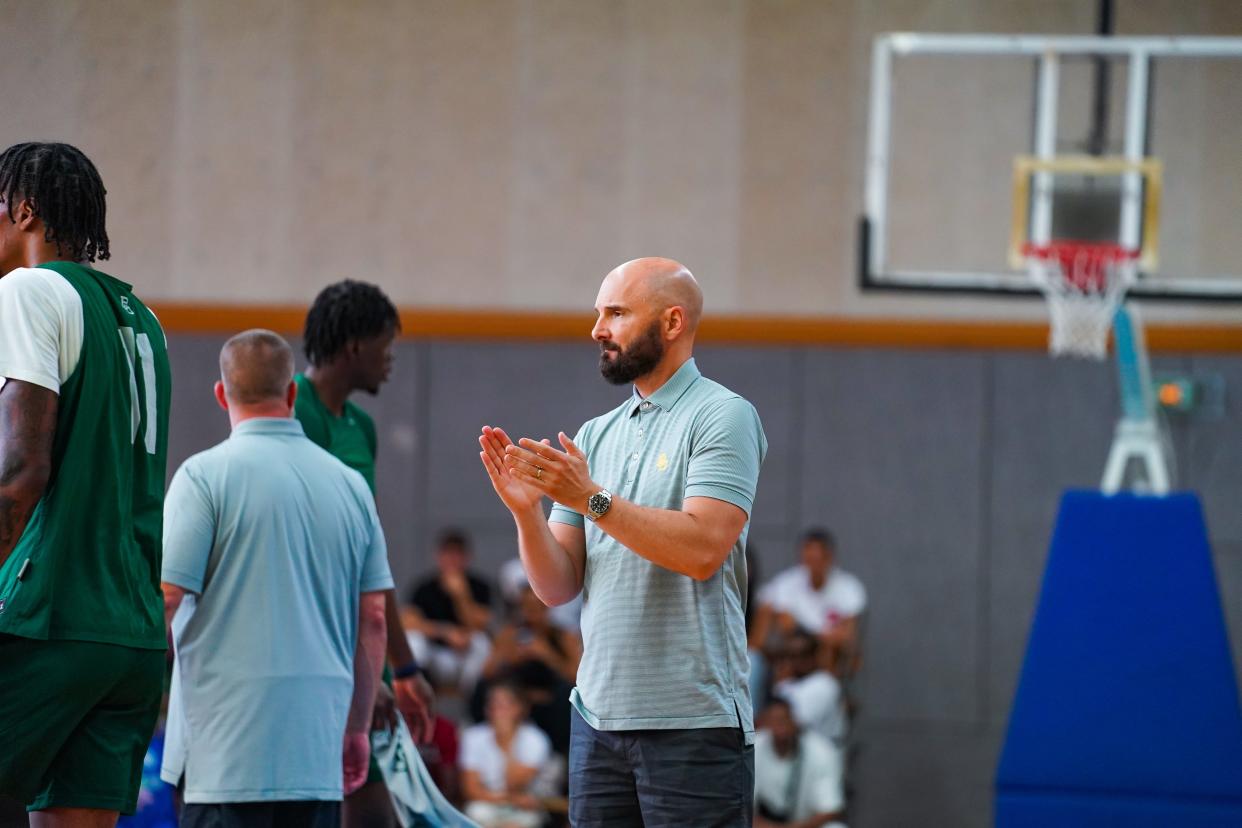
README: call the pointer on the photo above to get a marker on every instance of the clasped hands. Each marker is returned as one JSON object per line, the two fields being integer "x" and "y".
{"x": 524, "y": 472}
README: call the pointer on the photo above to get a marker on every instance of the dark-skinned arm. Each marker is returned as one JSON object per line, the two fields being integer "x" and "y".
{"x": 413, "y": 694}
{"x": 27, "y": 428}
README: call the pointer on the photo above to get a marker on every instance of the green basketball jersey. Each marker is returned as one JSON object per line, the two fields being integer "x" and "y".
{"x": 87, "y": 567}
{"x": 349, "y": 438}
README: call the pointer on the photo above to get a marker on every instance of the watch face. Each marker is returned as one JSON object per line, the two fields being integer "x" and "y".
{"x": 599, "y": 503}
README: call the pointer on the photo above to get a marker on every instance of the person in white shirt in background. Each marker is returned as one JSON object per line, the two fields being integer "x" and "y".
{"x": 798, "y": 775}
{"x": 816, "y": 596}
{"x": 814, "y": 694}
{"x": 502, "y": 762}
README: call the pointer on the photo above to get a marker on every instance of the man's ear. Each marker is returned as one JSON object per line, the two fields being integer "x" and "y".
{"x": 291, "y": 394}
{"x": 25, "y": 215}
{"x": 675, "y": 322}
{"x": 221, "y": 400}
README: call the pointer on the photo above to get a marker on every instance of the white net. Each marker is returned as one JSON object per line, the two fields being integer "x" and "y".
{"x": 1084, "y": 285}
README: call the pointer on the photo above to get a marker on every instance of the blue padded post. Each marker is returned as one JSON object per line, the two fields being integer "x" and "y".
{"x": 1127, "y": 709}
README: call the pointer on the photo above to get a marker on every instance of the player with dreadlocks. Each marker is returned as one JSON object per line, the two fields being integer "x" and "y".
{"x": 84, "y": 401}
{"x": 348, "y": 342}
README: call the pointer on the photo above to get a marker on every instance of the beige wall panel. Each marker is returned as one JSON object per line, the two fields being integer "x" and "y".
{"x": 567, "y": 163}
{"x": 798, "y": 208}
{"x": 443, "y": 188}
{"x": 682, "y": 125}
{"x": 101, "y": 76}
{"x": 507, "y": 153}
{"x": 234, "y": 209}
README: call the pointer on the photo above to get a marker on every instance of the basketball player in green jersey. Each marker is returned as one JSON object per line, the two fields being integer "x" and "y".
{"x": 348, "y": 342}
{"x": 83, "y": 443}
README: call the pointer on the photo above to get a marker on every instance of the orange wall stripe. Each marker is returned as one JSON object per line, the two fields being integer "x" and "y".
{"x": 419, "y": 323}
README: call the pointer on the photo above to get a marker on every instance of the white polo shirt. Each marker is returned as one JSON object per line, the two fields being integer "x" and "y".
{"x": 802, "y": 785}
{"x": 816, "y": 610}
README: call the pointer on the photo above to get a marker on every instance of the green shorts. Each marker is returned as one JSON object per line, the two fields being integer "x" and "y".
{"x": 78, "y": 717}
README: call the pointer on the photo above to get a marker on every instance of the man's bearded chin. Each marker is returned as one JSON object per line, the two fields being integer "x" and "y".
{"x": 640, "y": 359}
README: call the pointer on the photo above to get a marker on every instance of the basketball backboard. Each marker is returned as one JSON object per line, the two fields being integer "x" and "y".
{"x": 980, "y": 145}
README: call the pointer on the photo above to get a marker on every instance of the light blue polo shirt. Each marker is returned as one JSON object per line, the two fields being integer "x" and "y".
{"x": 277, "y": 539}
{"x": 662, "y": 650}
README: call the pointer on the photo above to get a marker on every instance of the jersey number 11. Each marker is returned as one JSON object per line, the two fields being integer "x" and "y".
{"x": 138, "y": 350}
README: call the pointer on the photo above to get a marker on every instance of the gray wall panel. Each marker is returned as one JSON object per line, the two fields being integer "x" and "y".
{"x": 195, "y": 422}
{"x": 893, "y": 457}
{"x": 769, "y": 379}
{"x": 939, "y": 471}
{"x": 1213, "y": 458}
{"x": 918, "y": 774}
{"x": 530, "y": 389}
{"x": 401, "y": 468}
{"x": 1052, "y": 421}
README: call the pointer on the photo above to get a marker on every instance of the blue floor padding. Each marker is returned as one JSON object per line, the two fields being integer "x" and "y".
{"x": 1127, "y": 708}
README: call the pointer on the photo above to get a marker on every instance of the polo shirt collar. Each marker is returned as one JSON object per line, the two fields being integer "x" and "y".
{"x": 667, "y": 395}
{"x": 269, "y": 425}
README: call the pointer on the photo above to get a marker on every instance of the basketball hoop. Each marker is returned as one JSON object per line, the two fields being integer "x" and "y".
{"x": 1084, "y": 283}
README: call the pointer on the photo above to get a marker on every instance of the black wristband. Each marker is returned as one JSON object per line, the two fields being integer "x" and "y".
{"x": 406, "y": 671}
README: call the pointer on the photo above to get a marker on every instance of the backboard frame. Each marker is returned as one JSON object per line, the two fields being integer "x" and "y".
{"x": 874, "y": 270}
{"x": 1031, "y": 222}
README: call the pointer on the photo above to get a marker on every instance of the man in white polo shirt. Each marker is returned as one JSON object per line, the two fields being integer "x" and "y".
{"x": 799, "y": 775}
{"x": 816, "y": 596}
{"x": 275, "y": 567}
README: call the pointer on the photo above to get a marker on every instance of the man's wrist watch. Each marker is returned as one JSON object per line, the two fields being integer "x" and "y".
{"x": 598, "y": 504}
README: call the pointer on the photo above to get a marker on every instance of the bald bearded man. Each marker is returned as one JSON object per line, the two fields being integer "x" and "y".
{"x": 651, "y": 505}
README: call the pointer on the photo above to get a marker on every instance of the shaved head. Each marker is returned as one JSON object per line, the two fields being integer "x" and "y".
{"x": 660, "y": 284}
{"x": 256, "y": 366}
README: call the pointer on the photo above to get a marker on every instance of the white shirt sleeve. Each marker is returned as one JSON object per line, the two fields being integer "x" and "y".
{"x": 40, "y": 327}
{"x": 473, "y": 748}
{"x": 771, "y": 593}
{"x": 533, "y": 747}
{"x": 853, "y": 596}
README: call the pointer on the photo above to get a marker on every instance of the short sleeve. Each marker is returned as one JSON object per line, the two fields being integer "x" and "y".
{"x": 855, "y": 597}
{"x": 563, "y": 514}
{"x": 34, "y": 317}
{"x": 727, "y": 449}
{"x": 189, "y": 529}
{"x": 376, "y": 575}
{"x": 533, "y": 747}
{"x": 473, "y": 751}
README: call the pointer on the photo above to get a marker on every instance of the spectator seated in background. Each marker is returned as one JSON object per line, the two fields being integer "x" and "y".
{"x": 513, "y": 580}
{"x": 798, "y": 775}
{"x": 814, "y": 694}
{"x": 503, "y": 761}
{"x": 816, "y": 596}
{"x": 541, "y": 658}
{"x": 448, "y": 615}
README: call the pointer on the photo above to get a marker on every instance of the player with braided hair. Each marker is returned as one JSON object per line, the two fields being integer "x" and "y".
{"x": 66, "y": 193}
{"x": 348, "y": 340}
{"x": 84, "y": 402}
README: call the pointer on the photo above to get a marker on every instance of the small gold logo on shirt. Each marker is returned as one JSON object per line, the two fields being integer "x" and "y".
{"x": 662, "y": 462}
